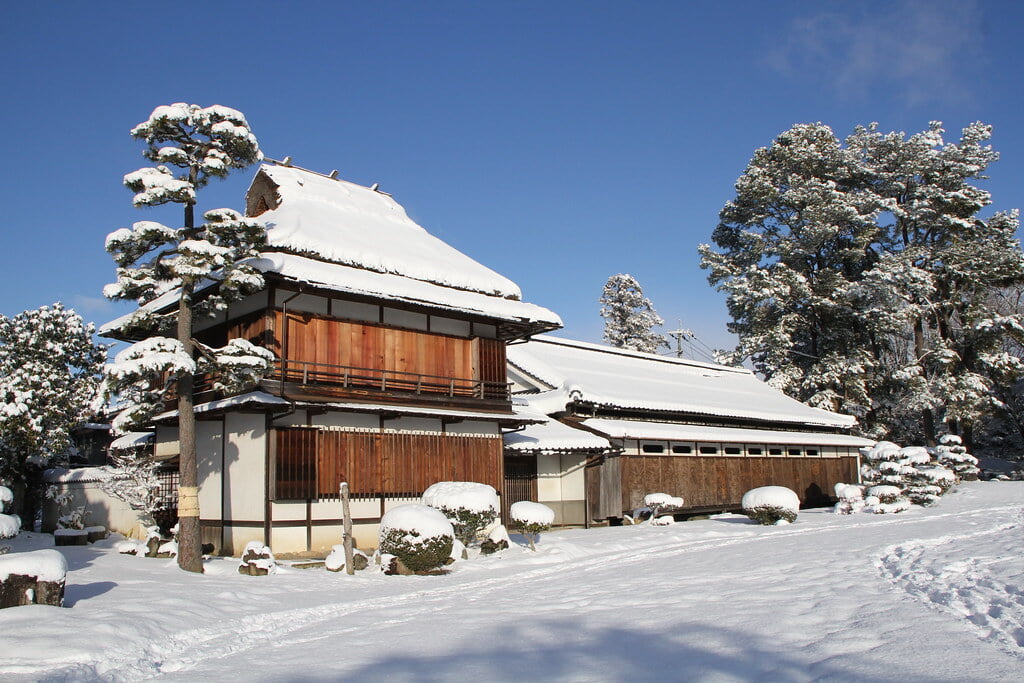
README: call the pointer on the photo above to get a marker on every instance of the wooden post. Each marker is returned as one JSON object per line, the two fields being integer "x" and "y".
{"x": 346, "y": 517}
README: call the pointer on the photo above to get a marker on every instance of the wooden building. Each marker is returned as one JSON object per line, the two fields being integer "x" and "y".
{"x": 391, "y": 370}
{"x": 623, "y": 424}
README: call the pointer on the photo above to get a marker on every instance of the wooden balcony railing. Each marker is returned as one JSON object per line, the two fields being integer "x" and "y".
{"x": 392, "y": 381}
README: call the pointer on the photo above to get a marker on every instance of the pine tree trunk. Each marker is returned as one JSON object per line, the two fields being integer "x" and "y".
{"x": 190, "y": 545}
{"x": 189, "y": 542}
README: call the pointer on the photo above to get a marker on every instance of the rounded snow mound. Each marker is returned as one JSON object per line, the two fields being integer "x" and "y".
{"x": 849, "y": 492}
{"x": 10, "y": 525}
{"x": 883, "y": 491}
{"x": 883, "y": 450}
{"x": 468, "y": 495}
{"x": 915, "y": 455}
{"x": 771, "y": 496}
{"x": 422, "y": 519}
{"x": 663, "y": 500}
{"x": 528, "y": 512}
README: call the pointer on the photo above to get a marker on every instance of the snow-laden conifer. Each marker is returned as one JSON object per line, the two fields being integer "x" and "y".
{"x": 49, "y": 373}
{"x": 629, "y": 316}
{"x": 201, "y": 267}
{"x": 860, "y": 275}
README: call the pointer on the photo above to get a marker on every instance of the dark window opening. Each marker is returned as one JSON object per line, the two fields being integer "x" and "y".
{"x": 812, "y": 451}
{"x": 754, "y": 451}
{"x": 733, "y": 450}
{"x": 682, "y": 450}
{"x": 794, "y": 451}
{"x": 653, "y": 448}
{"x": 708, "y": 450}
{"x": 774, "y": 451}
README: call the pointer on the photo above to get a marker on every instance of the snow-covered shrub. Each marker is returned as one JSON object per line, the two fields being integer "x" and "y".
{"x": 851, "y": 498}
{"x": 661, "y": 502}
{"x": 531, "y": 518}
{"x": 771, "y": 505}
{"x": 496, "y": 540}
{"x": 469, "y": 506}
{"x": 883, "y": 499}
{"x": 881, "y": 464}
{"x": 953, "y": 455}
{"x": 67, "y": 517}
{"x": 133, "y": 480}
{"x": 418, "y": 535}
{"x": 10, "y": 525}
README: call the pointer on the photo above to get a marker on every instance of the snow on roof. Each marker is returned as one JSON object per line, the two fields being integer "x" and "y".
{"x": 131, "y": 440}
{"x": 265, "y": 399}
{"x": 615, "y": 378}
{"x": 551, "y": 437}
{"x": 665, "y": 431}
{"x": 337, "y": 221}
{"x": 348, "y": 238}
{"x": 356, "y": 281}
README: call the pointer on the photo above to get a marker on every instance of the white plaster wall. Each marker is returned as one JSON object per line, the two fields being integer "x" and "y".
{"x": 235, "y": 539}
{"x": 209, "y": 453}
{"x": 287, "y": 539}
{"x": 549, "y": 478}
{"x": 413, "y": 424}
{"x": 287, "y": 511}
{"x": 245, "y": 458}
{"x": 350, "y": 420}
{"x": 473, "y": 427}
{"x": 573, "y": 484}
{"x": 103, "y": 510}
{"x": 166, "y": 441}
{"x": 296, "y": 419}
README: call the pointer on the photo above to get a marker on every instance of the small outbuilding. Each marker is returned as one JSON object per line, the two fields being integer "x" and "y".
{"x": 622, "y": 424}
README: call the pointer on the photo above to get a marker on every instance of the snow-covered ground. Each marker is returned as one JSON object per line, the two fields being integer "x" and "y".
{"x": 930, "y": 595}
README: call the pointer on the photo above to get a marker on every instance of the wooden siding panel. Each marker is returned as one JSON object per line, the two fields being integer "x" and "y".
{"x": 375, "y": 463}
{"x": 710, "y": 482}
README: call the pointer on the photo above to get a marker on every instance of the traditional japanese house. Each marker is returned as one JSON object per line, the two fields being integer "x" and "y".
{"x": 623, "y": 424}
{"x": 391, "y": 370}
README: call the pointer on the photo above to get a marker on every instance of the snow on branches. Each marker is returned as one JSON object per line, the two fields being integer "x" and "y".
{"x": 629, "y": 316}
{"x": 207, "y": 141}
{"x": 49, "y": 370}
{"x": 203, "y": 267}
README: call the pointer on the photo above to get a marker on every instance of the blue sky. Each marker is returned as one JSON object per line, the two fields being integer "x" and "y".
{"x": 556, "y": 142}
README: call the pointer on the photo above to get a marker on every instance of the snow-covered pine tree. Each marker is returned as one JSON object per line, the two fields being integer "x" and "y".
{"x": 154, "y": 259}
{"x": 629, "y": 316}
{"x": 49, "y": 374}
{"x": 860, "y": 277}
{"x": 132, "y": 478}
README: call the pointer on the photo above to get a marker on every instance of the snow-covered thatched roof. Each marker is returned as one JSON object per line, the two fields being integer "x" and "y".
{"x": 345, "y": 237}
{"x": 567, "y": 371}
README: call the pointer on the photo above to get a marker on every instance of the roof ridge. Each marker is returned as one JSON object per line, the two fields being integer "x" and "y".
{"x": 629, "y": 353}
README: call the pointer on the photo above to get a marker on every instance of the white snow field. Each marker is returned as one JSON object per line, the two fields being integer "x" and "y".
{"x": 932, "y": 594}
